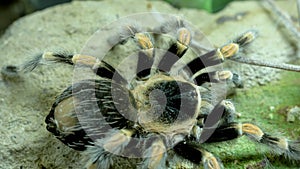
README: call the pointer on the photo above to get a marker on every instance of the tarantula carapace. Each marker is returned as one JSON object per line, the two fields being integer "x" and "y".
{"x": 162, "y": 108}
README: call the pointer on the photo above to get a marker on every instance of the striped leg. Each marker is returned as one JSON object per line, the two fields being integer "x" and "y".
{"x": 145, "y": 56}
{"x": 213, "y": 117}
{"x": 145, "y": 44}
{"x": 101, "y": 68}
{"x": 155, "y": 154}
{"x": 100, "y": 156}
{"x": 217, "y": 77}
{"x": 177, "y": 49}
{"x": 216, "y": 57}
{"x": 278, "y": 145}
{"x": 198, "y": 155}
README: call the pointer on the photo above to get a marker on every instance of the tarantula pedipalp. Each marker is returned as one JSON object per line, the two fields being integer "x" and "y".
{"x": 162, "y": 108}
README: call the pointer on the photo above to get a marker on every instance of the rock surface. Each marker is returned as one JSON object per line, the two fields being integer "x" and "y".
{"x": 293, "y": 114}
{"x": 25, "y": 143}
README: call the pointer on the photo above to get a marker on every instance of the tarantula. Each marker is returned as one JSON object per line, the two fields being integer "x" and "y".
{"x": 163, "y": 108}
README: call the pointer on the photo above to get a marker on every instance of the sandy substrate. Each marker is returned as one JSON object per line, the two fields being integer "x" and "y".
{"x": 24, "y": 103}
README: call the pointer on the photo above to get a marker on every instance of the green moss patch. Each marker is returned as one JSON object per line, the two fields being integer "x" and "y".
{"x": 267, "y": 106}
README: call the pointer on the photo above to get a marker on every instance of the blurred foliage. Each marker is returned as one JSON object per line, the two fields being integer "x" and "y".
{"x": 208, "y": 5}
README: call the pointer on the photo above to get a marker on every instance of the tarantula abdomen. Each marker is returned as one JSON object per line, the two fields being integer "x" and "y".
{"x": 88, "y": 109}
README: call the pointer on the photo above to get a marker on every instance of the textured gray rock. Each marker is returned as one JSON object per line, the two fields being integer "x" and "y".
{"x": 293, "y": 114}
{"x": 25, "y": 143}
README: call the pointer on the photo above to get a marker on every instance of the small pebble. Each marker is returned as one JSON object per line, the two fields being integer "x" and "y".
{"x": 10, "y": 73}
{"x": 293, "y": 114}
{"x": 271, "y": 116}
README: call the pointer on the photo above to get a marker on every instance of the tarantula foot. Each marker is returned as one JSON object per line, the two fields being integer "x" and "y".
{"x": 246, "y": 38}
{"x": 290, "y": 149}
{"x": 228, "y": 51}
{"x": 211, "y": 162}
